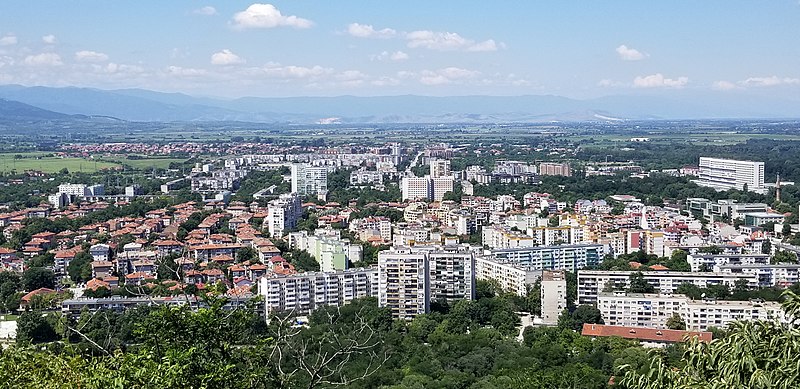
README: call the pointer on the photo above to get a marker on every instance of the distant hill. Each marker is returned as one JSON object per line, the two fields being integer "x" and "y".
{"x": 145, "y": 105}
{"x": 16, "y": 111}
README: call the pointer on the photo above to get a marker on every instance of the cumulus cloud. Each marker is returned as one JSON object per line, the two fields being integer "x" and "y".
{"x": 90, "y": 56}
{"x": 44, "y": 59}
{"x": 49, "y": 39}
{"x": 8, "y": 40}
{"x": 226, "y": 57}
{"x": 434, "y": 40}
{"x": 267, "y": 16}
{"x": 367, "y": 31}
{"x": 605, "y": 83}
{"x": 723, "y": 85}
{"x": 630, "y": 54}
{"x": 769, "y": 81}
{"x": 659, "y": 81}
{"x": 292, "y": 71}
{"x": 385, "y": 81}
{"x": 446, "y": 75}
{"x": 206, "y": 11}
{"x": 398, "y": 56}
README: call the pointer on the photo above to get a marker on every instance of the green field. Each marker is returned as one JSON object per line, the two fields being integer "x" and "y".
{"x": 20, "y": 162}
{"x": 145, "y": 163}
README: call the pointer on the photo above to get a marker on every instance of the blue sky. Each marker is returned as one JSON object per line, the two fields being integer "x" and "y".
{"x": 300, "y": 48}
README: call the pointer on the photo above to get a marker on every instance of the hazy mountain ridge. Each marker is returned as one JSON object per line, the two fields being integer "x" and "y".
{"x": 145, "y": 105}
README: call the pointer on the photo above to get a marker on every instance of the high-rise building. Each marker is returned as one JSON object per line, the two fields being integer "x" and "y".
{"x": 440, "y": 168}
{"x": 410, "y": 278}
{"x": 724, "y": 174}
{"x": 554, "y": 295}
{"x": 555, "y": 169}
{"x": 283, "y": 214}
{"x": 309, "y": 180}
{"x": 426, "y": 188}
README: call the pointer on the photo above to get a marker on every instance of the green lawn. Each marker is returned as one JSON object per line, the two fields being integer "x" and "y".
{"x": 37, "y": 161}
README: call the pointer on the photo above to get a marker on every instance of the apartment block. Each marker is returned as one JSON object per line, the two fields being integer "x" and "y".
{"x": 561, "y": 257}
{"x": 309, "y": 180}
{"x": 283, "y": 214}
{"x": 592, "y": 282}
{"x": 553, "y": 295}
{"x": 511, "y": 277}
{"x": 302, "y": 293}
{"x": 724, "y": 174}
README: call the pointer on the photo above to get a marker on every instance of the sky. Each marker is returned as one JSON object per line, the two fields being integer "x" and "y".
{"x": 578, "y": 49}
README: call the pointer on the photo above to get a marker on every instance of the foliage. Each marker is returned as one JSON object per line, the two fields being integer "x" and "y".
{"x": 676, "y": 322}
{"x": 38, "y": 277}
{"x": 80, "y": 267}
{"x": 637, "y": 284}
{"x": 583, "y": 314}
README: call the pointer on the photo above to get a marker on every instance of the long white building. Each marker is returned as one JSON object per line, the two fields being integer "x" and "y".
{"x": 560, "y": 257}
{"x": 302, "y": 293}
{"x": 309, "y": 180}
{"x": 653, "y": 310}
{"x": 283, "y": 214}
{"x": 592, "y": 282}
{"x": 724, "y": 174}
{"x": 511, "y": 277}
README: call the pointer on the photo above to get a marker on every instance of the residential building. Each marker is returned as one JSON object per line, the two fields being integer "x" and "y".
{"x": 511, "y": 277}
{"x": 304, "y": 292}
{"x": 440, "y": 168}
{"x": 426, "y": 188}
{"x": 592, "y": 282}
{"x": 561, "y": 257}
{"x": 555, "y": 169}
{"x": 332, "y": 252}
{"x": 648, "y": 337}
{"x": 309, "y": 180}
{"x": 553, "y": 295}
{"x": 410, "y": 278}
{"x": 283, "y": 214}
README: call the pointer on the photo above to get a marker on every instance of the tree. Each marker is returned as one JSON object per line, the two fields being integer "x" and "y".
{"x": 246, "y": 254}
{"x": 38, "y": 277}
{"x": 583, "y": 314}
{"x": 637, "y": 284}
{"x": 783, "y": 256}
{"x": 676, "y": 322}
{"x": 766, "y": 246}
{"x": 80, "y": 267}
{"x": 33, "y": 327}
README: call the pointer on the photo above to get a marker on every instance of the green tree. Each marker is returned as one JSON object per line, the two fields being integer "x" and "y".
{"x": 80, "y": 267}
{"x": 676, "y": 322}
{"x": 38, "y": 277}
{"x": 637, "y": 284}
{"x": 33, "y": 327}
{"x": 583, "y": 314}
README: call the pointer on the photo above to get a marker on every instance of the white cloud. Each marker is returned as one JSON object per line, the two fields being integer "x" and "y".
{"x": 44, "y": 59}
{"x": 8, "y": 40}
{"x": 605, "y": 83}
{"x": 291, "y": 71}
{"x": 769, "y": 81}
{"x": 49, "y": 39}
{"x": 206, "y": 11}
{"x": 393, "y": 56}
{"x": 630, "y": 54}
{"x": 434, "y": 40}
{"x": 723, "y": 85}
{"x": 226, "y": 57}
{"x": 659, "y": 81}
{"x": 267, "y": 16}
{"x": 386, "y": 81}
{"x": 185, "y": 72}
{"x": 367, "y": 31}
{"x": 398, "y": 56}
{"x": 90, "y": 56}
{"x": 446, "y": 75}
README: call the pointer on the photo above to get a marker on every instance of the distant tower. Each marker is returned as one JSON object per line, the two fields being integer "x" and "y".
{"x": 778, "y": 189}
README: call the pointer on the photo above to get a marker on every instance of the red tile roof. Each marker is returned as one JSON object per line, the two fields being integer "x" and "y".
{"x": 643, "y": 333}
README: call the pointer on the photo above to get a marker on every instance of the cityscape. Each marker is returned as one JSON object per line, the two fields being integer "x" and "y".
{"x": 376, "y": 223}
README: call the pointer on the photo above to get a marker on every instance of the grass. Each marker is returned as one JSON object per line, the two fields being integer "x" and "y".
{"x": 145, "y": 163}
{"x": 39, "y": 161}
{"x": 8, "y": 317}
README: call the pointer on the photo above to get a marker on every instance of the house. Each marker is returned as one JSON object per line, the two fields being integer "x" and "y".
{"x": 26, "y": 299}
{"x": 100, "y": 252}
{"x": 101, "y": 269}
{"x": 96, "y": 283}
{"x": 138, "y": 278}
{"x": 168, "y": 247}
{"x": 212, "y": 276}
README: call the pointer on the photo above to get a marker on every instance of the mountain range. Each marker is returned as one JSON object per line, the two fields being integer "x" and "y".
{"x": 48, "y": 103}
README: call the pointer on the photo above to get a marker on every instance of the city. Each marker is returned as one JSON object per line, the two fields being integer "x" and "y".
{"x": 234, "y": 225}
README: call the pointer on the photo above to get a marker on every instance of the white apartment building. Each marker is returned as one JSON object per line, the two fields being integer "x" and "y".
{"x": 302, "y": 293}
{"x": 366, "y": 177}
{"x": 561, "y": 257}
{"x": 724, "y": 174}
{"x": 781, "y": 274}
{"x": 592, "y": 282}
{"x": 372, "y": 226}
{"x": 426, "y": 188}
{"x": 440, "y": 168}
{"x": 553, "y": 295}
{"x": 309, "y": 180}
{"x": 82, "y": 189}
{"x": 511, "y": 277}
{"x": 283, "y": 214}
{"x": 653, "y": 310}
{"x": 330, "y": 251}
{"x": 498, "y": 237}
{"x": 410, "y": 278}
{"x": 710, "y": 262}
